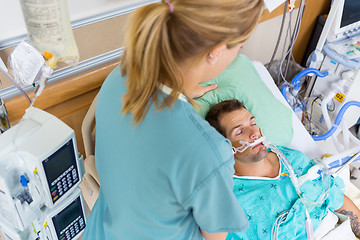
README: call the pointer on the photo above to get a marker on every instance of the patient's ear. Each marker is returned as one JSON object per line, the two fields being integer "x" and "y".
{"x": 213, "y": 55}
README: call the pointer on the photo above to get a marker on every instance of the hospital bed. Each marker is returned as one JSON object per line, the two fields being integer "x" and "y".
{"x": 301, "y": 141}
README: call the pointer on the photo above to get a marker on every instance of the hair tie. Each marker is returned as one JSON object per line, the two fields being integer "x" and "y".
{"x": 170, "y": 6}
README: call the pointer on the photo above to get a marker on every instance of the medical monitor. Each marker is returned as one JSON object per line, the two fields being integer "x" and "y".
{"x": 351, "y": 13}
{"x": 347, "y": 20}
{"x": 70, "y": 222}
{"x": 61, "y": 170}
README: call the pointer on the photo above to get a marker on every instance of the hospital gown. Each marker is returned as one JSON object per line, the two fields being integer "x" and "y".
{"x": 264, "y": 199}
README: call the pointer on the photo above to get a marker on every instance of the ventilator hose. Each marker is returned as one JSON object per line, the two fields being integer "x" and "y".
{"x": 296, "y": 80}
{"x": 337, "y": 120}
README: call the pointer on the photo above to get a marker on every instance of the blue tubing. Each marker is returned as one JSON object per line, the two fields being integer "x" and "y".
{"x": 296, "y": 79}
{"x": 337, "y": 120}
{"x": 283, "y": 92}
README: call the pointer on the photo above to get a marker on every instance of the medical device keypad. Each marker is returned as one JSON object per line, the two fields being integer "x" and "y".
{"x": 64, "y": 182}
{"x": 61, "y": 171}
{"x": 70, "y": 221}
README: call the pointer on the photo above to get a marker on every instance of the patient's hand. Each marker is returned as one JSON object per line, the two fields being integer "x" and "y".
{"x": 201, "y": 90}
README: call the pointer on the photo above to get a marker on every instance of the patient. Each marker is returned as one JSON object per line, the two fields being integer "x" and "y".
{"x": 264, "y": 189}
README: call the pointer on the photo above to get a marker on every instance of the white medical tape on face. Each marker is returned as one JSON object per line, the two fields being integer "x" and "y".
{"x": 245, "y": 145}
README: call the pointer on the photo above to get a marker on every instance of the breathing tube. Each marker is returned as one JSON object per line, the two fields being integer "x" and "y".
{"x": 337, "y": 120}
{"x": 296, "y": 80}
{"x": 245, "y": 145}
{"x": 306, "y": 202}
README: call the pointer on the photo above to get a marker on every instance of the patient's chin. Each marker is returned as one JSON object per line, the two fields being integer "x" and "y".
{"x": 260, "y": 154}
{"x": 259, "y": 149}
{"x": 251, "y": 156}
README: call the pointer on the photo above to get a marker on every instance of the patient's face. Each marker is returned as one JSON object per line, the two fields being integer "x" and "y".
{"x": 241, "y": 125}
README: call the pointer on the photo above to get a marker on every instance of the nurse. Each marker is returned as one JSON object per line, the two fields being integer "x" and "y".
{"x": 164, "y": 172}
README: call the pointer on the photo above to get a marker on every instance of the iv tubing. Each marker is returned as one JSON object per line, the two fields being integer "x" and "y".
{"x": 16, "y": 84}
{"x": 337, "y": 120}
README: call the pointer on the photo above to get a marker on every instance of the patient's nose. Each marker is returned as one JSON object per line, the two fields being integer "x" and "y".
{"x": 255, "y": 134}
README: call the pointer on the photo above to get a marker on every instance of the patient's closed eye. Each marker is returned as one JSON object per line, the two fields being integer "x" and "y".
{"x": 252, "y": 121}
{"x": 238, "y": 132}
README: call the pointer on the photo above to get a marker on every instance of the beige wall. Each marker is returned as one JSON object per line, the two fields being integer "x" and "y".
{"x": 92, "y": 40}
{"x": 104, "y": 36}
{"x": 70, "y": 98}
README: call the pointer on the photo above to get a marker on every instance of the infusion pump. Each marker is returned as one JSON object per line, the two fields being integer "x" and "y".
{"x": 40, "y": 173}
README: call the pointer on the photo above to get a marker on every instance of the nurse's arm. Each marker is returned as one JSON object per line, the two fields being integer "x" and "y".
{"x": 352, "y": 211}
{"x": 213, "y": 236}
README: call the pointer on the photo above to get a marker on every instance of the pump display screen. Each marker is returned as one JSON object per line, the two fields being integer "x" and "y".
{"x": 351, "y": 13}
{"x": 69, "y": 222}
{"x": 61, "y": 170}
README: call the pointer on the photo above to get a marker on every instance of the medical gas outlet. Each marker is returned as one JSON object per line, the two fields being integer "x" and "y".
{"x": 39, "y": 182}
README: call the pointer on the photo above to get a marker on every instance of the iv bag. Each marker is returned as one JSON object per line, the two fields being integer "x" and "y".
{"x": 49, "y": 28}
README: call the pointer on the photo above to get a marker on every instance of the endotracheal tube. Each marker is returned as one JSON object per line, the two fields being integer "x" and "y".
{"x": 245, "y": 145}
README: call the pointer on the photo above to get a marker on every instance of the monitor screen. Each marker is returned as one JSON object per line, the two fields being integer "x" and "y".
{"x": 351, "y": 13}
{"x": 70, "y": 221}
{"x": 68, "y": 215}
{"x": 59, "y": 162}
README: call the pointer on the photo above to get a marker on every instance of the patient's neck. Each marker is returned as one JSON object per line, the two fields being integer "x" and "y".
{"x": 268, "y": 167}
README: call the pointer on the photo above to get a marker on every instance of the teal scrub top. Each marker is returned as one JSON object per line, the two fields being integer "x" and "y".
{"x": 164, "y": 178}
{"x": 265, "y": 199}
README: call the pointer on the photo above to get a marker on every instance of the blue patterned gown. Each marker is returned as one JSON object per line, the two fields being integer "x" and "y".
{"x": 264, "y": 199}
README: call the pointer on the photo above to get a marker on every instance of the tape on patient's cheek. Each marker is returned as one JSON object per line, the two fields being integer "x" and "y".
{"x": 245, "y": 145}
{"x": 242, "y": 148}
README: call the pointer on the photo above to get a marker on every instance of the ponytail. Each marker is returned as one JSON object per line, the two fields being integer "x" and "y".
{"x": 162, "y": 35}
{"x": 148, "y": 60}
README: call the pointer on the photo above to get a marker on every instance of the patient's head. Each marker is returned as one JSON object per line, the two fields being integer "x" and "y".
{"x": 236, "y": 123}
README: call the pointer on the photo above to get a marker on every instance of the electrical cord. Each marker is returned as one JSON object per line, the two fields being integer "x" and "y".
{"x": 311, "y": 110}
{"x": 283, "y": 55}
{"x": 288, "y": 57}
{"x": 279, "y": 36}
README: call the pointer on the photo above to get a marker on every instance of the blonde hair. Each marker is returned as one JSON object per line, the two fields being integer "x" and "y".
{"x": 158, "y": 40}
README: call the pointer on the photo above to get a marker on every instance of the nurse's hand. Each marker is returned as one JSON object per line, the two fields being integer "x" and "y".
{"x": 201, "y": 90}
